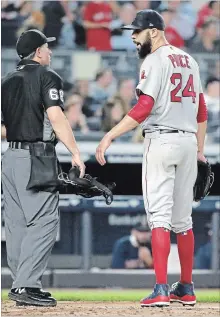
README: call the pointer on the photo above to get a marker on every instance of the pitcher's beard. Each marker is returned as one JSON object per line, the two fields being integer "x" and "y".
{"x": 145, "y": 49}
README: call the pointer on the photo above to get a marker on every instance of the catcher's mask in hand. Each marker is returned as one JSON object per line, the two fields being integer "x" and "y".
{"x": 87, "y": 186}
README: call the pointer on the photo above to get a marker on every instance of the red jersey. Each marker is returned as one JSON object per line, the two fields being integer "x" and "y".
{"x": 203, "y": 14}
{"x": 99, "y": 38}
{"x": 173, "y": 37}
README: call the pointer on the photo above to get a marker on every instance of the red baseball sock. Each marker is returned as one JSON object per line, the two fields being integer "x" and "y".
{"x": 185, "y": 242}
{"x": 160, "y": 249}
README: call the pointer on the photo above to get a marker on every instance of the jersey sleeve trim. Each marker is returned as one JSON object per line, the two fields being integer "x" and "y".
{"x": 142, "y": 109}
{"x": 202, "y": 114}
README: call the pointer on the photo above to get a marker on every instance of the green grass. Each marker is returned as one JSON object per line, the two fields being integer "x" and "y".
{"x": 211, "y": 296}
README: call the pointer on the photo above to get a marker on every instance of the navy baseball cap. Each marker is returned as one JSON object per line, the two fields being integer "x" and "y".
{"x": 146, "y": 19}
{"x": 30, "y": 40}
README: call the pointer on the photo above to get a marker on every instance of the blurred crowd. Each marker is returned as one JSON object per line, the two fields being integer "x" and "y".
{"x": 82, "y": 24}
{"x": 100, "y": 104}
{"x": 96, "y": 26}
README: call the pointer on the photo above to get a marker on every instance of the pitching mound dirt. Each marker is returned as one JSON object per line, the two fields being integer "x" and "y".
{"x": 110, "y": 309}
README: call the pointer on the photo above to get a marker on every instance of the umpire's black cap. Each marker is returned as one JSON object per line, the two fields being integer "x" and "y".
{"x": 146, "y": 19}
{"x": 30, "y": 40}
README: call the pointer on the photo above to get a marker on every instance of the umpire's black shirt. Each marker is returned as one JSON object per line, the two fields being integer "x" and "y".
{"x": 27, "y": 93}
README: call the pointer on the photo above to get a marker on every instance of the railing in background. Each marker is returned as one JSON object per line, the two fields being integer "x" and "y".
{"x": 119, "y": 152}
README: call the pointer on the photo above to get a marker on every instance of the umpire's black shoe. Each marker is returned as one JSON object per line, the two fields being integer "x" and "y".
{"x": 31, "y": 297}
{"x": 15, "y": 291}
{"x": 40, "y": 291}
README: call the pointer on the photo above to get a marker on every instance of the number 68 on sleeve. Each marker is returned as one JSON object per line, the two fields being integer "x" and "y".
{"x": 54, "y": 94}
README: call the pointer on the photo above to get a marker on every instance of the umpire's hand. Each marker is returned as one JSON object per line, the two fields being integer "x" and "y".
{"x": 76, "y": 161}
{"x": 101, "y": 149}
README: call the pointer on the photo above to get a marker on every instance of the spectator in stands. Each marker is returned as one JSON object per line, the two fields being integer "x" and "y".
{"x": 11, "y": 9}
{"x": 67, "y": 35}
{"x": 172, "y": 35}
{"x": 212, "y": 92}
{"x": 172, "y": 4}
{"x": 203, "y": 255}
{"x": 121, "y": 39}
{"x": 68, "y": 88}
{"x": 89, "y": 108}
{"x": 113, "y": 111}
{"x": 25, "y": 9}
{"x": 216, "y": 71}
{"x": 211, "y": 9}
{"x": 78, "y": 25}
{"x": 73, "y": 111}
{"x": 54, "y": 12}
{"x": 134, "y": 251}
{"x": 126, "y": 92}
{"x": 154, "y": 4}
{"x": 212, "y": 97}
{"x": 8, "y": 6}
{"x": 142, "y": 5}
{"x": 82, "y": 88}
{"x": 35, "y": 21}
{"x": 72, "y": 32}
{"x": 13, "y": 14}
{"x": 97, "y": 19}
{"x": 206, "y": 42}
{"x": 185, "y": 18}
{"x": 100, "y": 90}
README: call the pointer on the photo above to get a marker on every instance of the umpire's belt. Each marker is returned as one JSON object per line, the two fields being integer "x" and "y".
{"x": 160, "y": 131}
{"x": 19, "y": 145}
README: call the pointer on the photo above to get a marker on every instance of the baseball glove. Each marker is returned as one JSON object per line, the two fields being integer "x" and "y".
{"x": 87, "y": 186}
{"x": 204, "y": 181}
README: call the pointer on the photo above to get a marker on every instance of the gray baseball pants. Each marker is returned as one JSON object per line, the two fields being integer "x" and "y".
{"x": 31, "y": 221}
{"x": 168, "y": 176}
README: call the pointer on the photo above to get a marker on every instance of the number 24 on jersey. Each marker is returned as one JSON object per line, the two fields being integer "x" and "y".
{"x": 188, "y": 91}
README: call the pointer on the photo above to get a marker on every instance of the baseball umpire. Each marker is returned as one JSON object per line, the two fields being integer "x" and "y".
{"x": 173, "y": 115}
{"x": 32, "y": 110}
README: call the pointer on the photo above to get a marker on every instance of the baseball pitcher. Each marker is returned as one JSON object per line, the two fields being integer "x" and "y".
{"x": 172, "y": 113}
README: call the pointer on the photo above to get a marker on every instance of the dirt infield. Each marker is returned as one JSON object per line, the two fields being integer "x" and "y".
{"x": 110, "y": 309}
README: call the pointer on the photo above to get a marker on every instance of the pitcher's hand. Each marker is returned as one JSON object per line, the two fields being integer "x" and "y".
{"x": 201, "y": 157}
